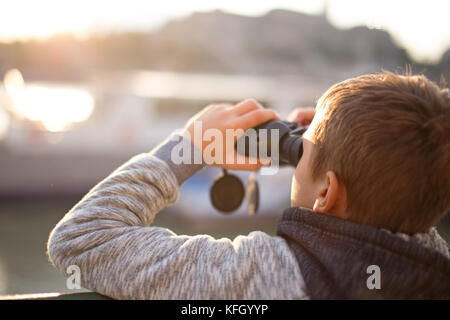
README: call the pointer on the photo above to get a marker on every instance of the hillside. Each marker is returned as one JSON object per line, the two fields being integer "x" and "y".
{"x": 280, "y": 42}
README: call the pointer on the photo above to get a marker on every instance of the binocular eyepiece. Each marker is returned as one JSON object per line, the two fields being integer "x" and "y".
{"x": 283, "y": 137}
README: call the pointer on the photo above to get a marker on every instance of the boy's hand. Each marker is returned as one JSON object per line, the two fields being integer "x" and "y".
{"x": 302, "y": 116}
{"x": 215, "y": 119}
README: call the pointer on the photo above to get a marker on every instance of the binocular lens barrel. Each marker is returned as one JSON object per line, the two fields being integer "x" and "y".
{"x": 289, "y": 142}
{"x": 291, "y": 150}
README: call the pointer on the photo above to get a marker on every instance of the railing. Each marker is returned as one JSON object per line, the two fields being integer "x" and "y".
{"x": 57, "y": 296}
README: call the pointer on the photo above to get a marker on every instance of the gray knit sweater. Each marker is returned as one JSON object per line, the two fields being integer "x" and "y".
{"x": 108, "y": 235}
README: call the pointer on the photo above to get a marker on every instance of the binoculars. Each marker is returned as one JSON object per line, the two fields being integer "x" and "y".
{"x": 283, "y": 137}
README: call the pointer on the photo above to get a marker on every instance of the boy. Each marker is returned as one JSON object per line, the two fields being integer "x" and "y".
{"x": 373, "y": 180}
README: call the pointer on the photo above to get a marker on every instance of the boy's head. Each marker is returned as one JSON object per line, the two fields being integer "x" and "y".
{"x": 378, "y": 153}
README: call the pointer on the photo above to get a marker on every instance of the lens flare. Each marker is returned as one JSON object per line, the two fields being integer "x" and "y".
{"x": 55, "y": 107}
{"x": 4, "y": 123}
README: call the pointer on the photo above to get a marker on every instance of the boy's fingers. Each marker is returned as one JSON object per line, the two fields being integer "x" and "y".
{"x": 302, "y": 116}
{"x": 255, "y": 118}
{"x": 247, "y": 106}
{"x": 304, "y": 119}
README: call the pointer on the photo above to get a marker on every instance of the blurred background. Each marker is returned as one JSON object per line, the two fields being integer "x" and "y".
{"x": 85, "y": 85}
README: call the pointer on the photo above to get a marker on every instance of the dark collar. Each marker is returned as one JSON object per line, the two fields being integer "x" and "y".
{"x": 334, "y": 256}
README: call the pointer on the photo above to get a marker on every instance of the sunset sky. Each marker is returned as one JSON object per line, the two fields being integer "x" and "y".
{"x": 422, "y": 27}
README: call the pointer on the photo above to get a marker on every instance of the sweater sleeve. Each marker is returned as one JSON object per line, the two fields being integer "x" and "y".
{"x": 108, "y": 235}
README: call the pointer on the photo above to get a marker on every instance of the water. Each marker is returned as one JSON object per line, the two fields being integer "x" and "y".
{"x": 24, "y": 229}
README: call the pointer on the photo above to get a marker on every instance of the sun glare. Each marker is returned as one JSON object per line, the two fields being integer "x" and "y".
{"x": 4, "y": 123}
{"x": 55, "y": 107}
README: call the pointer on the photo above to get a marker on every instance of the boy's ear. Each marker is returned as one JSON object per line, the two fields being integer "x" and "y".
{"x": 331, "y": 198}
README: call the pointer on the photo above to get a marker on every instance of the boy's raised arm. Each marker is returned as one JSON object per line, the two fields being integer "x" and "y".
{"x": 108, "y": 236}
